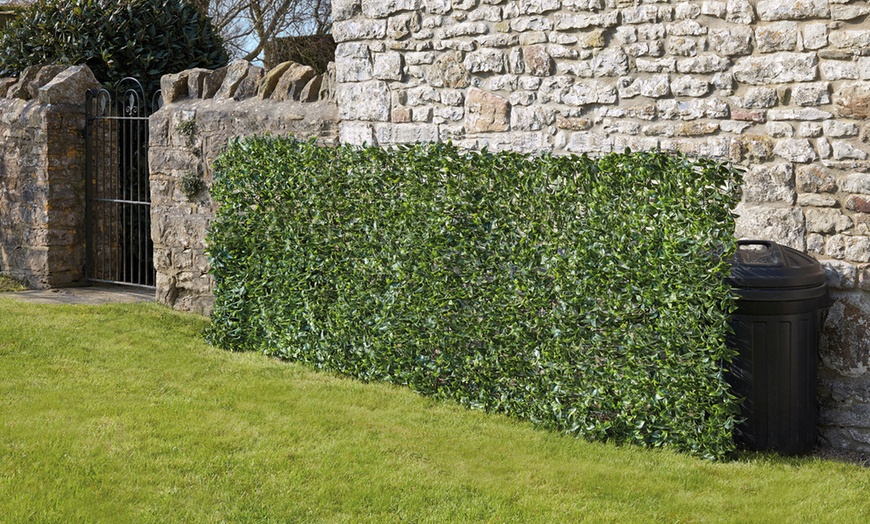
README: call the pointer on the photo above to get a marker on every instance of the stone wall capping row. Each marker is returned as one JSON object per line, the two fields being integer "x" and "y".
{"x": 241, "y": 80}
{"x": 52, "y": 84}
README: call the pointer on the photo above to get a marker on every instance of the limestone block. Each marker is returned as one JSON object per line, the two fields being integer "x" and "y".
{"x": 515, "y": 62}
{"x": 846, "y": 334}
{"x": 485, "y": 61}
{"x": 689, "y": 86}
{"x": 587, "y": 93}
{"x": 858, "y": 249}
{"x": 739, "y": 12}
{"x": 567, "y": 22}
{"x": 19, "y": 90}
{"x": 237, "y": 70}
{"x": 385, "y": 8}
{"x": 839, "y": 70}
{"x": 687, "y": 10}
{"x": 853, "y": 100}
{"x": 778, "y": 36}
{"x": 760, "y": 97}
{"x": 858, "y": 203}
{"x": 686, "y": 28}
{"x": 465, "y": 29}
{"x": 835, "y": 247}
{"x": 716, "y": 9}
{"x": 777, "y": 68}
{"x": 656, "y": 86}
{"x": 798, "y": 150}
{"x": 815, "y": 244}
{"x": 766, "y": 183}
{"x": 357, "y": 29}
{"x": 406, "y": 133}
{"x": 311, "y": 91}
{"x": 195, "y": 80}
{"x": 356, "y": 133}
{"x": 270, "y": 80}
{"x": 368, "y": 101}
{"x": 388, "y": 66}
{"x": 853, "y": 39}
{"x": 537, "y": 61}
{"x": 448, "y": 71}
{"x": 770, "y": 10}
{"x": 815, "y": 36}
{"x": 43, "y": 76}
{"x": 486, "y": 112}
{"x": 5, "y": 84}
{"x": 810, "y": 130}
{"x": 848, "y": 12}
{"x": 731, "y": 41}
{"x": 827, "y": 221}
{"x": 857, "y": 183}
{"x": 813, "y": 94}
{"x": 610, "y": 62}
{"x": 703, "y": 64}
{"x": 345, "y": 9}
{"x": 679, "y": 46}
{"x": 782, "y": 225}
{"x": 692, "y": 109}
{"x": 798, "y": 114}
{"x": 423, "y": 95}
{"x": 656, "y": 65}
{"x": 291, "y": 83}
{"x": 69, "y": 86}
{"x": 212, "y": 83}
{"x": 840, "y": 275}
{"x": 250, "y": 84}
{"x": 813, "y": 200}
{"x": 846, "y": 151}
{"x": 779, "y": 129}
{"x": 531, "y": 118}
{"x": 436, "y": 7}
{"x": 538, "y": 6}
{"x": 641, "y": 14}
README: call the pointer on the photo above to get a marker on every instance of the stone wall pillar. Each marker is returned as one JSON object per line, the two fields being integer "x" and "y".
{"x": 42, "y": 175}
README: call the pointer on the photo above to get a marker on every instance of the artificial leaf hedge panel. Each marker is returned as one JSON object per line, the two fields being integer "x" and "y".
{"x": 585, "y": 295}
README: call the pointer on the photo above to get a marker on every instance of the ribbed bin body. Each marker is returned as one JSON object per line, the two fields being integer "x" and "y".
{"x": 776, "y": 333}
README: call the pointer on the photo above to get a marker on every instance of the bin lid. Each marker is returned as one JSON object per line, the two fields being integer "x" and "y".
{"x": 766, "y": 264}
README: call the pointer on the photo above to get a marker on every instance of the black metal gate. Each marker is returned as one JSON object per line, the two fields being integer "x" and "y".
{"x": 118, "y": 206}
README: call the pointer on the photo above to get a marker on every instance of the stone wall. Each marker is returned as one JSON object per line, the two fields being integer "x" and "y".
{"x": 204, "y": 110}
{"x": 779, "y": 87}
{"x": 42, "y": 190}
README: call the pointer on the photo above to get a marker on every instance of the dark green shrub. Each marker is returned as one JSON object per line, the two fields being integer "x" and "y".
{"x": 585, "y": 295}
{"x": 144, "y": 39}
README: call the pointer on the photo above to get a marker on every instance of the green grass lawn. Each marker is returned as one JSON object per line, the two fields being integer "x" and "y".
{"x": 121, "y": 413}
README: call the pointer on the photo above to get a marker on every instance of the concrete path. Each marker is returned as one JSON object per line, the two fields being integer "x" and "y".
{"x": 83, "y": 295}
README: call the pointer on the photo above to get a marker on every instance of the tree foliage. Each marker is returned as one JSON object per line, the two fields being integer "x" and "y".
{"x": 144, "y": 39}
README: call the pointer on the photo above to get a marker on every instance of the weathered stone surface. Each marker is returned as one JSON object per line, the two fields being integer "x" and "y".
{"x": 485, "y": 61}
{"x": 857, "y": 183}
{"x": 68, "y": 87}
{"x": 610, "y": 62}
{"x": 858, "y": 203}
{"x": 769, "y": 10}
{"x": 385, "y": 8}
{"x": 815, "y": 36}
{"x": 195, "y": 80}
{"x": 703, "y": 64}
{"x": 689, "y": 86}
{"x": 782, "y": 225}
{"x": 846, "y": 334}
{"x": 839, "y": 129}
{"x": 311, "y": 91}
{"x": 212, "y": 83}
{"x": 537, "y": 61}
{"x": 835, "y": 247}
{"x": 388, "y": 66}
{"x": 5, "y": 84}
{"x": 854, "y": 39}
{"x": 846, "y": 151}
{"x": 236, "y": 71}
{"x": 779, "y": 129}
{"x": 777, "y": 68}
{"x": 769, "y": 184}
{"x": 839, "y": 70}
{"x": 760, "y": 97}
{"x": 815, "y": 179}
{"x": 848, "y": 12}
{"x": 853, "y": 100}
{"x": 739, "y": 12}
{"x": 827, "y": 221}
{"x": 367, "y": 101}
{"x": 291, "y": 83}
{"x": 813, "y": 200}
{"x": 248, "y": 86}
{"x": 448, "y": 71}
{"x": 731, "y": 41}
{"x": 19, "y": 90}
{"x": 43, "y": 76}
{"x": 270, "y": 80}
{"x": 486, "y": 112}
{"x": 798, "y": 114}
{"x": 682, "y": 46}
{"x": 349, "y": 30}
{"x": 796, "y": 150}
{"x": 858, "y": 249}
{"x": 814, "y": 94}
{"x": 779, "y": 36}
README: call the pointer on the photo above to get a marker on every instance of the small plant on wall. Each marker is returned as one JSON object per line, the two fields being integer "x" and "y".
{"x": 187, "y": 129}
{"x": 191, "y": 185}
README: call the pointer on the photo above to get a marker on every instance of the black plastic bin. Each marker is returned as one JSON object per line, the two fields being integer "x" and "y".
{"x": 782, "y": 297}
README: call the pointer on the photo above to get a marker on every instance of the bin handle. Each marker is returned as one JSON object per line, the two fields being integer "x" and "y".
{"x": 766, "y": 243}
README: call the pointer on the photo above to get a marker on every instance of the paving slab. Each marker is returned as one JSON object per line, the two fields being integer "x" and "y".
{"x": 83, "y": 295}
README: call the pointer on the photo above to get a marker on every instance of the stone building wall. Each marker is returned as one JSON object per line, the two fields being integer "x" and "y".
{"x": 777, "y": 86}
{"x": 203, "y": 111}
{"x": 42, "y": 190}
